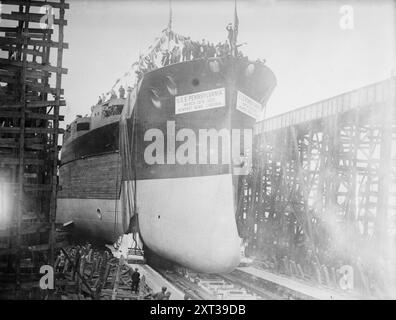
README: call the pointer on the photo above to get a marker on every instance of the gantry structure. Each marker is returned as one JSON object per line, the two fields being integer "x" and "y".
{"x": 322, "y": 190}
{"x": 31, "y": 96}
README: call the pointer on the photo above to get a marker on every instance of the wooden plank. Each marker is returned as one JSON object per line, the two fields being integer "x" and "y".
{"x": 30, "y": 42}
{"x": 43, "y": 247}
{"x": 37, "y": 187}
{"x": 48, "y": 103}
{"x": 30, "y": 17}
{"x": 33, "y": 228}
{"x": 35, "y": 104}
{"x": 15, "y": 161}
{"x": 8, "y": 79}
{"x": 43, "y": 116}
{"x": 30, "y": 30}
{"x": 10, "y": 130}
{"x": 6, "y": 73}
{"x": 9, "y": 145}
{"x": 27, "y": 140}
{"x": 34, "y": 53}
{"x": 42, "y": 89}
{"x": 45, "y": 130}
{"x": 30, "y": 146}
{"x": 41, "y": 147}
{"x": 9, "y": 114}
{"x": 33, "y": 65}
{"x": 29, "y": 35}
{"x": 117, "y": 279}
{"x": 56, "y": 162}
{"x": 78, "y": 274}
{"x": 32, "y": 74}
{"x": 56, "y": 5}
{"x": 6, "y": 47}
{"x": 32, "y": 130}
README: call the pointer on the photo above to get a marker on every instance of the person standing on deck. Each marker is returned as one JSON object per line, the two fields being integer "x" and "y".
{"x": 121, "y": 91}
{"x": 230, "y": 34}
{"x": 188, "y": 48}
{"x": 165, "y": 58}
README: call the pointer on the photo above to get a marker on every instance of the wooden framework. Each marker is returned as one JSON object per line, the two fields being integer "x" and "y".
{"x": 323, "y": 185}
{"x": 30, "y": 99}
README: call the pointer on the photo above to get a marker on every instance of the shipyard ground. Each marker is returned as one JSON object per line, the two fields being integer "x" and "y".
{"x": 108, "y": 279}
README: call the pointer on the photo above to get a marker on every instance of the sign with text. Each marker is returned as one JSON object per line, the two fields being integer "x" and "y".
{"x": 200, "y": 101}
{"x": 248, "y": 106}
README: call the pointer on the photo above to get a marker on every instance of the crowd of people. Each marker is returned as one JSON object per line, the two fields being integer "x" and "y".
{"x": 192, "y": 50}
{"x": 181, "y": 51}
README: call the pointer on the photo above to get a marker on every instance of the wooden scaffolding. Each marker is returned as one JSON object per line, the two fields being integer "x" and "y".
{"x": 31, "y": 94}
{"x": 323, "y": 187}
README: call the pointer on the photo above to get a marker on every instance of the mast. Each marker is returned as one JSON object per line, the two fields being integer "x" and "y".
{"x": 170, "y": 17}
{"x": 169, "y": 29}
{"x": 236, "y": 29}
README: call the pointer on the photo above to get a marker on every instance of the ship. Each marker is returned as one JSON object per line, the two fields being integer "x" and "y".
{"x": 166, "y": 160}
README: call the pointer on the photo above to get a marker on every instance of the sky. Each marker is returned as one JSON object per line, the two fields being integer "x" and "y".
{"x": 302, "y": 41}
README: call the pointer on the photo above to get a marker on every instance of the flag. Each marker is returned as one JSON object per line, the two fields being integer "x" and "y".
{"x": 170, "y": 16}
{"x": 236, "y": 24}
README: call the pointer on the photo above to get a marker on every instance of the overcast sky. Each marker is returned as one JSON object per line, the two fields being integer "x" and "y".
{"x": 302, "y": 42}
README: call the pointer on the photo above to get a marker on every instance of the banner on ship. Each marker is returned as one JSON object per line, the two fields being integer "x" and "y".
{"x": 248, "y": 106}
{"x": 200, "y": 101}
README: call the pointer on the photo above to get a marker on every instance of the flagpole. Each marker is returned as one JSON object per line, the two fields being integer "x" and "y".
{"x": 236, "y": 27}
{"x": 170, "y": 16}
{"x": 169, "y": 23}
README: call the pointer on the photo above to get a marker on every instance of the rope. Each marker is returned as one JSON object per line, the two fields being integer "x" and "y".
{"x": 134, "y": 137}
{"x": 116, "y": 202}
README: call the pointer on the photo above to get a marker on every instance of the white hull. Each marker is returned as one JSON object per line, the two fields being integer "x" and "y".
{"x": 190, "y": 221}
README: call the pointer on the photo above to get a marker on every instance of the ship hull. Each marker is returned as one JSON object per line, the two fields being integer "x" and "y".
{"x": 191, "y": 221}
{"x": 186, "y": 210}
{"x": 208, "y": 240}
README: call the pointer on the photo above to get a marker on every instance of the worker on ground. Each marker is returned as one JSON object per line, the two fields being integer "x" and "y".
{"x": 187, "y": 296}
{"x": 62, "y": 261}
{"x": 77, "y": 259}
{"x": 160, "y": 295}
{"x": 135, "y": 276}
{"x": 167, "y": 295}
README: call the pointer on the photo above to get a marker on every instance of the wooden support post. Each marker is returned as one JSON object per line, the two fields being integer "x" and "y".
{"x": 78, "y": 274}
{"x": 27, "y": 71}
{"x": 117, "y": 279}
{"x": 56, "y": 127}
